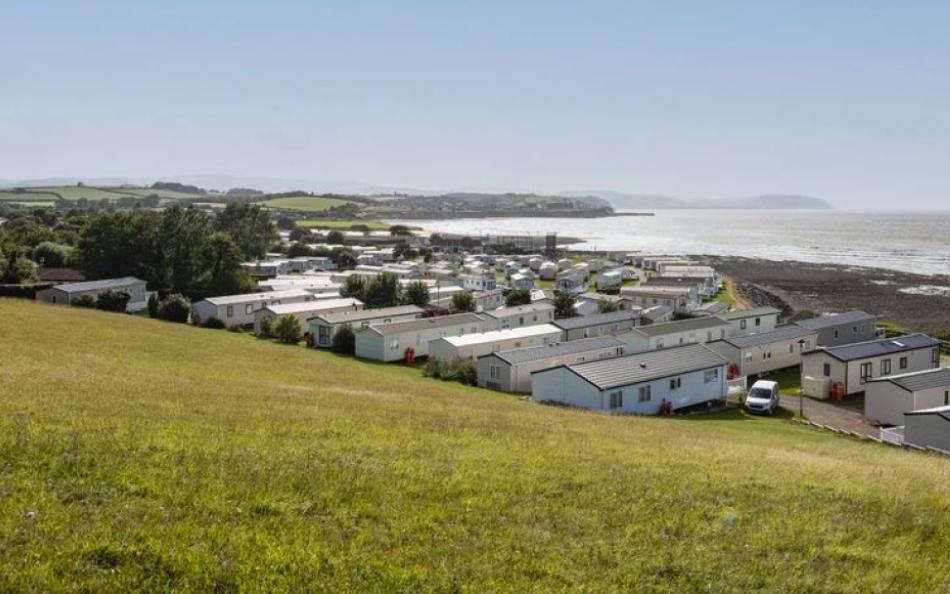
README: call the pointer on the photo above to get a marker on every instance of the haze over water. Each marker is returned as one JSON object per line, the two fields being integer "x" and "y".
{"x": 916, "y": 242}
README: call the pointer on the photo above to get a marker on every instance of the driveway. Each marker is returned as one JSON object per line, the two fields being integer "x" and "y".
{"x": 832, "y": 415}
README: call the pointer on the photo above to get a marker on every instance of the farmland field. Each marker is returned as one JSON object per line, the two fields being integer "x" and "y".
{"x": 137, "y": 455}
{"x": 305, "y": 203}
{"x": 49, "y": 194}
{"x": 343, "y": 224}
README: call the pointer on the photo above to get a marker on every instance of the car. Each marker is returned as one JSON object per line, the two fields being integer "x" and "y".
{"x": 762, "y": 398}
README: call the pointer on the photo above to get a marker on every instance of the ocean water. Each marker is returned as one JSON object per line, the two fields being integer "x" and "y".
{"x": 908, "y": 242}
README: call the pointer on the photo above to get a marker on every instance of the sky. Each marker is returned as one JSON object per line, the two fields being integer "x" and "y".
{"x": 847, "y": 101}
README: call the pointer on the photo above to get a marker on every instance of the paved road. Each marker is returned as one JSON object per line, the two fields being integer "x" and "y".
{"x": 818, "y": 411}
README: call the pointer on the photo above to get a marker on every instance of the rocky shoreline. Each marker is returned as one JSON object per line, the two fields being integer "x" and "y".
{"x": 802, "y": 288}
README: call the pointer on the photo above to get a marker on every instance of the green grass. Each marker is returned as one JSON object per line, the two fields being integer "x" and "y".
{"x": 137, "y": 455}
{"x": 305, "y": 203}
{"x": 48, "y": 194}
{"x": 343, "y": 224}
{"x": 789, "y": 380}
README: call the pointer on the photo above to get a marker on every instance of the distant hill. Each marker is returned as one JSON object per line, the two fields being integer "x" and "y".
{"x": 621, "y": 200}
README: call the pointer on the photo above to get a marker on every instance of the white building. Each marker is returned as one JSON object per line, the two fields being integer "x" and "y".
{"x": 390, "y": 342}
{"x": 66, "y": 293}
{"x": 609, "y": 280}
{"x": 636, "y": 383}
{"x": 472, "y": 346}
{"x": 522, "y": 281}
{"x": 510, "y": 370}
{"x": 325, "y": 326}
{"x": 756, "y": 354}
{"x": 239, "y": 310}
{"x": 673, "y": 334}
{"x": 886, "y": 399}
{"x": 682, "y": 300}
{"x": 305, "y": 311}
{"x": 517, "y": 316}
{"x": 750, "y": 321}
{"x": 478, "y": 282}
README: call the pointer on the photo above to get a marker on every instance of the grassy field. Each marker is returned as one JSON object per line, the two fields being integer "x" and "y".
{"x": 48, "y": 194}
{"x": 305, "y": 203}
{"x": 343, "y": 224}
{"x": 732, "y": 296}
{"x": 137, "y": 455}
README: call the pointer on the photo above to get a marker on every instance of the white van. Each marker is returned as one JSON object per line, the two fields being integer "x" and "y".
{"x": 762, "y": 398}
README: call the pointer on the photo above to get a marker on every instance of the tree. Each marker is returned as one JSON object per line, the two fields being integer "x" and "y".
{"x": 123, "y": 243}
{"x": 343, "y": 258}
{"x": 402, "y": 251}
{"x": 84, "y": 300}
{"x": 48, "y": 253}
{"x": 606, "y": 306}
{"x": 299, "y": 234}
{"x": 113, "y": 300}
{"x": 400, "y": 231}
{"x": 287, "y": 329}
{"x": 382, "y": 290}
{"x": 564, "y": 305}
{"x": 416, "y": 293}
{"x": 463, "y": 301}
{"x": 153, "y": 305}
{"x": 174, "y": 308}
{"x": 286, "y": 224}
{"x": 335, "y": 237}
{"x": 344, "y": 341}
{"x": 299, "y": 249}
{"x": 518, "y": 297}
{"x": 354, "y": 286}
{"x": 222, "y": 259}
{"x": 250, "y": 226}
{"x": 17, "y": 269}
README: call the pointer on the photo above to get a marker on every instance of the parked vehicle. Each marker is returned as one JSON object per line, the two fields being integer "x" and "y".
{"x": 762, "y": 398}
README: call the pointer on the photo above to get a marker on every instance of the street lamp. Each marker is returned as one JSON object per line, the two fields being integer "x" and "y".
{"x": 801, "y": 389}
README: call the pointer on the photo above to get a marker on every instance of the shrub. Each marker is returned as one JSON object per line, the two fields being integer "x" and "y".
{"x": 518, "y": 297}
{"x": 463, "y": 301}
{"x": 174, "y": 308}
{"x": 433, "y": 368}
{"x": 213, "y": 323}
{"x": 265, "y": 330}
{"x": 85, "y": 300}
{"x": 344, "y": 341}
{"x": 113, "y": 300}
{"x": 287, "y": 329}
{"x": 234, "y": 328}
{"x": 153, "y": 305}
{"x": 461, "y": 370}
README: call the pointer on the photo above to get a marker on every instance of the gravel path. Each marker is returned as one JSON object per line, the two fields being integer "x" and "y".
{"x": 833, "y": 415}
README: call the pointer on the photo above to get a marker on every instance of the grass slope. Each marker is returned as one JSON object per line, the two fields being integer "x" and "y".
{"x": 142, "y": 456}
{"x": 305, "y": 203}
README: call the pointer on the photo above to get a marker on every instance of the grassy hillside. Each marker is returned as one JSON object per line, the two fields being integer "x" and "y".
{"x": 139, "y": 455}
{"x": 343, "y": 224}
{"x": 305, "y": 203}
{"x": 52, "y": 193}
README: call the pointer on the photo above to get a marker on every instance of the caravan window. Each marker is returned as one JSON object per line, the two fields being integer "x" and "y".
{"x": 903, "y": 363}
{"x": 827, "y": 369}
{"x": 710, "y": 376}
{"x": 676, "y": 383}
{"x": 742, "y": 324}
{"x": 230, "y": 311}
{"x": 644, "y": 394}
{"x": 616, "y": 399}
{"x": 866, "y": 372}
{"x": 885, "y": 366}
{"x": 249, "y": 309}
{"x": 935, "y": 358}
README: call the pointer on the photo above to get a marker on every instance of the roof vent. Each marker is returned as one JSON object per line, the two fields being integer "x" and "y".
{"x": 898, "y": 343}
{"x": 643, "y": 365}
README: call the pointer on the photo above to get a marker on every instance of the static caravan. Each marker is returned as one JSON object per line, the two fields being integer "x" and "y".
{"x": 609, "y": 280}
{"x": 886, "y": 399}
{"x": 305, "y": 311}
{"x": 517, "y": 316}
{"x": 571, "y": 281}
{"x": 66, "y": 293}
{"x": 472, "y": 346}
{"x": 324, "y": 326}
{"x": 522, "y": 281}
{"x": 750, "y": 321}
{"x": 842, "y": 328}
{"x": 704, "y": 289}
{"x": 928, "y": 428}
{"x": 593, "y": 325}
{"x": 765, "y": 352}
{"x": 547, "y": 271}
{"x": 478, "y": 282}
{"x": 239, "y": 310}
{"x": 682, "y": 300}
{"x": 672, "y": 334}
{"x": 389, "y": 342}
{"x": 510, "y": 370}
{"x": 637, "y": 383}
{"x": 854, "y": 365}
{"x": 694, "y": 291}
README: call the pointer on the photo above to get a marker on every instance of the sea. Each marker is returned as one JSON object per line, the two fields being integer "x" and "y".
{"x": 916, "y": 242}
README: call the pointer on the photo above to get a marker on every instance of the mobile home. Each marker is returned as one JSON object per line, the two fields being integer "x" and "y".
{"x": 842, "y": 328}
{"x": 472, "y": 346}
{"x": 239, "y": 310}
{"x": 755, "y": 354}
{"x": 676, "y": 333}
{"x": 66, "y": 293}
{"x": 390, "y": 342}
{"x": 325, "y": 326}
{"x": 886, "y": 399}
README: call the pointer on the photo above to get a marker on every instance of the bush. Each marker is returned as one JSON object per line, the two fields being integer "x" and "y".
{"x": 153, "y": 305}
{"x": 287, "y": 329}
{"x": 344, "y": 341}
{"x": 52, "y": 254}
{"x": 265, "y": 329}
{"x": 85, "y": 300}
{"x": 213, "y": 323}
{"x": 113, "y": 300}
{"x": 463, "y": 301}
{"x": 234, "y": 328}
{"x": 433, "y": 368}
{"x": 518, "y": 297}
{"x": 174, "y": 308}
{"x": 461, "y": 370}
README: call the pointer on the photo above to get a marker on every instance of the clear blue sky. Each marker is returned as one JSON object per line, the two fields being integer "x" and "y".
{"x": 848, "y": 101}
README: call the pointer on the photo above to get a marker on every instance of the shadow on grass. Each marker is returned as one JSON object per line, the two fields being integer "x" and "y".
{"x": 737, "y": 413}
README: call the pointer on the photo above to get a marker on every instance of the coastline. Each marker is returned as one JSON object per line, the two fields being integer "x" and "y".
{"x": 803, "y": 287}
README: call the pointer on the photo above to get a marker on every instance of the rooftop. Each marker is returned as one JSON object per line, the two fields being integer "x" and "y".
{"x": 99, "y": 285}
{"x": 427, "y": 323}
{"x": 506, "y": 334}
{"x": 595, "y": 319}
{"x": 558, "y": 349}
{"x": 518, "y": 309}
{"x": 831, "y": 320}
{"x": 920, "y": 380}
{"x": 687, "y": 325}
{"x": 755, "y": 312}
{"x": 884, "y": 346}
{"x": 341, "y": 317}
{"x": 780, "y": 334}
{"x": 313, "y": 306}
{"x": 640, "y": 367}
{"x": 250, "y": 297}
